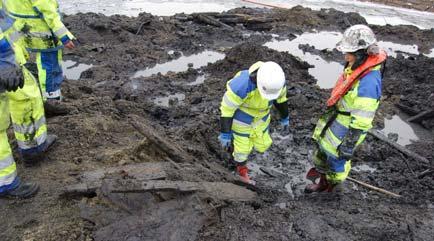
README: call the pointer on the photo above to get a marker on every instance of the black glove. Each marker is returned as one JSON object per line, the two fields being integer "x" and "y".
{"x": 11, "y": 78}
{"x": 346, "y": 149}
{"x": 225, "y": 124}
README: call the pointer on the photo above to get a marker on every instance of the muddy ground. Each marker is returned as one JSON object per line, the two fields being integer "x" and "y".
{"x": 113, "y": 121}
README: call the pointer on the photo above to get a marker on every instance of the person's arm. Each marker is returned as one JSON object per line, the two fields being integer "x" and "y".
{"x": 49, "y": 12}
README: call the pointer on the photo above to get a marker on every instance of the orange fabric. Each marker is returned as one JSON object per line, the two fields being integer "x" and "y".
{"x": 344, "y": 84}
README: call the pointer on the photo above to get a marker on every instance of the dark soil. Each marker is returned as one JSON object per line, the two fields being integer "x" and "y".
{"x": 113, "y": 121}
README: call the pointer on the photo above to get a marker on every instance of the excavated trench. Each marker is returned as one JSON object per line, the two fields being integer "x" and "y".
{"x": 138, "y": 156}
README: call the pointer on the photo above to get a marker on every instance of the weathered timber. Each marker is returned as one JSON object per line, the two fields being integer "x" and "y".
{"x": 89, "y": 182}
{"x": 421, "y": 116}
{"x": 398, "y": 147}
{"x": 172, "y": 150}
{"x": 218, "y": 190}
{"x": 407, "y": 109}
{"x": 212, "y": 21}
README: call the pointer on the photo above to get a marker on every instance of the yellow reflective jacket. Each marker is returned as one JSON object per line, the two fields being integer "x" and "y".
{"x": 40, "y": 23}
{"x": 243, "y": 102}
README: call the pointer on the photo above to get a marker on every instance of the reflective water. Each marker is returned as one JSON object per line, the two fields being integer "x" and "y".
{"x": 160, "y": 8}
{"x": 392, "y": 49}
{"x": 72, "y": 70}
{"x": 167, "y": 101}
{"x": 374, "y": 13}
{"x": 199, "y": 80}
{"x": 182, "y": 63}
{"x": 326, "y": 72}
{"x": 406, "y": 132}
{"x": 430, "y": 54}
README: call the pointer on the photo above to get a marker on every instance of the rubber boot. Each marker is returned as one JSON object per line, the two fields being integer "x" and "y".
{"x": 55, "y": 107}
{"x": 313, "y": 175}
{"x": 35, "y": 157}
{"x": 22, "y": 191}
{"x": 243, "y": 172}
{"x": 321, "y": 186}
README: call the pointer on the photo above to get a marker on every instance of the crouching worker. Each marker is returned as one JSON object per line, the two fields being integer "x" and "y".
{"x": 351, "y": 109}
{"x": 245, "y": 112}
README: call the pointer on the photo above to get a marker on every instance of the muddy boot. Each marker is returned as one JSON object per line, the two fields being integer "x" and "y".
{"x": 313, "y": 175}
{"x": 23, "y": 190}
{"x": 55, "y": 107}
{"x": 32, "y": 158}
{"x": 243, "y": 173}
{"x": 321, "y": 186}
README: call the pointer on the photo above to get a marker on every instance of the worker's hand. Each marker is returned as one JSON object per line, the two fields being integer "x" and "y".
{"x": 225, "y": 140}
{"x": 11, "y": 78}
{"x": 70, "y": 44}
{"x": 348, "y": 145}
{"x": 285, "y": 124}
{"x": 345, "y": 152}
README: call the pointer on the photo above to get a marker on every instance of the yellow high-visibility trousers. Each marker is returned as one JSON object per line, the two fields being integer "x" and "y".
{"x": 8, "y": 169}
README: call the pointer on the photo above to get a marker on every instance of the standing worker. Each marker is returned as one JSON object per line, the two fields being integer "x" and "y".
{"x": 40, "y": 23}
{"x": 11, "y": 78}
{"x": 351, "y": 109}
{"x": 26, "y": 106}
{"x": 245, "y": 112}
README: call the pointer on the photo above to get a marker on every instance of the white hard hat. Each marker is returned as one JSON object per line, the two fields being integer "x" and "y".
{"x": 270, "y": 80}
{"x": 355, "y": 38}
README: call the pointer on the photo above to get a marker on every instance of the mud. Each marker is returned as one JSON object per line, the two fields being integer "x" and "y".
{"x": 114, "y": 120}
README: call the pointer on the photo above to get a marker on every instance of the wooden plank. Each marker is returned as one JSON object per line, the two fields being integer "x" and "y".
{"x": 90, "y": 181}
{"x": 398, "y": 147}
{"x": 421, "y": 116}
{"x": 218, "y": 190}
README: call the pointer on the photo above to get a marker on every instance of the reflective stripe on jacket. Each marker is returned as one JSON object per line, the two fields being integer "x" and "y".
{"x": 243, "y": 102}
{"x": 356, "y": 109}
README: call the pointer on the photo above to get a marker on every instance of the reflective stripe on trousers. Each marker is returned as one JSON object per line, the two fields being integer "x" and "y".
{"x": 8, "y": 170}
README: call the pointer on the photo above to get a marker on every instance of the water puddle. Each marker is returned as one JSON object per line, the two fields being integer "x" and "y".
{"x": 199, "y": 80}
{"x": 377, "y": 14}
{"x": 160, "y": 8}
{"x": 182, "y": 63}
{"x": 405, "y": 131}
{"x": 393, "y": 49}
{"x": 374, "y": 13}
{"x": 364, "y": 168}
{"x": 326, "y": 72}
{"x": 72, "y": 70}
{"x": 431, "y": 54}
{"x": 167, "y": 101}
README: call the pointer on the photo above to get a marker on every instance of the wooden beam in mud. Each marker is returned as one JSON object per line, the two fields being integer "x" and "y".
{"x": 218, "y": 190}
{"x": 398, "y": 147}
{"x": 421, "y": 116}
{"x": 212, "y": 21}
{"x": 89, "y": 182}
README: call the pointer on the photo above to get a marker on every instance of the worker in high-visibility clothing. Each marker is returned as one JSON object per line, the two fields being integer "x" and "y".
{"x": 11, "y": 78}
{"x": 26, "y": 106}
{"x": 40, "y": 23}
{"x": 351, "y": 109}
{"x": 245, "y": 112}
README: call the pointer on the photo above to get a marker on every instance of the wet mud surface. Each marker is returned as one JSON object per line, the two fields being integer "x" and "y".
{"x": 116, "y": 118}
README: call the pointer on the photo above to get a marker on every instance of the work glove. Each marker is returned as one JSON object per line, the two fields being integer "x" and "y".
{"x": 285, "y": 123}
{"x": 11, "y": 78}
{"x": 225, "y": 140}
{"x": 346, "y": 148}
